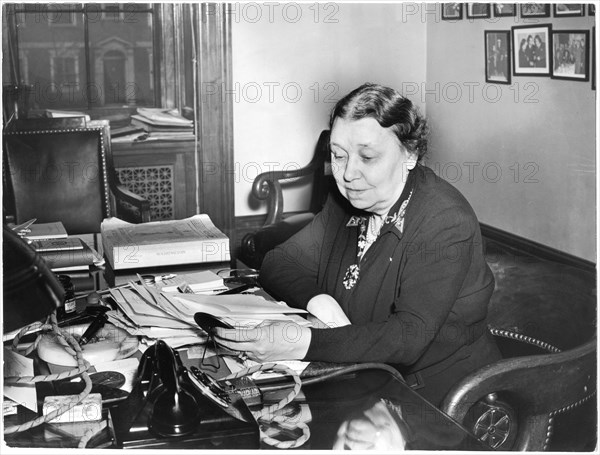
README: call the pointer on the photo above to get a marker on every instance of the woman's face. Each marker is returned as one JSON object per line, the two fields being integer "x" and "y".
{"x": 368, "y": 162}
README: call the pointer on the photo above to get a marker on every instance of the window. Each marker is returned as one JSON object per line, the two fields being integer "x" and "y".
{"x": 83, "y": 56}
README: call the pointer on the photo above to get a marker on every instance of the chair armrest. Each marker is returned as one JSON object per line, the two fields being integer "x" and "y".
{"x": 122, "y": 194}
{"x": 267, "y": 186}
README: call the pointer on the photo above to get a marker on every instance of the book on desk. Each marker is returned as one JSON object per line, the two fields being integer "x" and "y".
{"x": 193, "y": 240}
{"x": 65, "y": 255}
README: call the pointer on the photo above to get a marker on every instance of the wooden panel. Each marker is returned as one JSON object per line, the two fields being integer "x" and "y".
{"x": 215, "y": 119}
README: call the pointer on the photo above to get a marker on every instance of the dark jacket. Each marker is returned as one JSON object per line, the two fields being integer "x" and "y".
{"x": 421, "y": 299}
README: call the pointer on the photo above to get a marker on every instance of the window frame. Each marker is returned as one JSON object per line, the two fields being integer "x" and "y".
{"x": 15, "y": 14}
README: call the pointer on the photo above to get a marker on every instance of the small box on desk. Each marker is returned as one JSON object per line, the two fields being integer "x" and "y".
{"x": 120, "y": 277}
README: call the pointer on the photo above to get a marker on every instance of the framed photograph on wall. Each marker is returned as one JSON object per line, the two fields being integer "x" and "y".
{"x": 478, "y": 10}
{"x": 593, "y": 58}
{"x": 497, "y": 56}
{"x": 571, "y": 50}
{"x": 531, "y": 48}
{"x": 452, "y": 11}
{"x": 505, "y": 9}
{"x": 535, "y": 10}
{"x": 568, "y": 9}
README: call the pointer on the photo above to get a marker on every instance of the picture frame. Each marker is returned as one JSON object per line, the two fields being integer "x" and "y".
{"x": 478, "y": 11}
{"x": 571, "y": 55}
{"x": 531, "y": 45}
{"x": 497, "y": 56}
{"x": 593, "y": 58}
{"x": 534, "y": 10}
{"x": 568, "y": 9}
{"x": 452, "y": 11}
{"x": 505, "y": 9}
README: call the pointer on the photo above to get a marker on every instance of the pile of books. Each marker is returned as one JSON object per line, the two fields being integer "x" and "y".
{"x": 65, "y": 255}
{"x": 161, "y": 247}
{"x": 163, "y": 124}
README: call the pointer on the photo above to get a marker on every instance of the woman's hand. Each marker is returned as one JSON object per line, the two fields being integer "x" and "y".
{"x": 269, "y": 341}
{"x": 327, "y": 310}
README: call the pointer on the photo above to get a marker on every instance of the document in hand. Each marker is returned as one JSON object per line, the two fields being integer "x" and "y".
{"x": 163, "y": 243}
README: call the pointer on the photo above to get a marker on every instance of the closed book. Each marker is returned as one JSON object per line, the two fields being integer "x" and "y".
{"x": 159, "y": 116}
{"x": 192, "y": 240}
{"x": 71, "y": 268}
{"x": 54, "y": 230}
{"x": 147, "y": 126}
{"x": 70, "y": 258}
{"x": 70, "y": 243}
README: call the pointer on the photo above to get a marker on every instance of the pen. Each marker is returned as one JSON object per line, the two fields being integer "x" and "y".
{"x": 92, "y": 329}
{"x": 236, "y": 290}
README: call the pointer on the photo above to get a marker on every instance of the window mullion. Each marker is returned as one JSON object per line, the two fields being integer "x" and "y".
{"x": 88, "y": 67}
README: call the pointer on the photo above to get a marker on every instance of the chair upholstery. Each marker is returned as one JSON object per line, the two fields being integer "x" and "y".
{"x": 278, "y": 227}
{"x": 542, "y": 314}
{"x": 523, "y": 395}
{"x": 66, "y": 175}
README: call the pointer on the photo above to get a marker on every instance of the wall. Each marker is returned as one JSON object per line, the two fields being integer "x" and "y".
{"x": 523, "y": 154}
{"x": 291, "y": 63}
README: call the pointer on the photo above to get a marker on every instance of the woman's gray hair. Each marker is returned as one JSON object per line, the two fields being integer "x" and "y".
{"x": 390, "y": 109}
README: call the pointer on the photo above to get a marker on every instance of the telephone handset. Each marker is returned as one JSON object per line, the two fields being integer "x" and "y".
{"x": 176, "y": 392}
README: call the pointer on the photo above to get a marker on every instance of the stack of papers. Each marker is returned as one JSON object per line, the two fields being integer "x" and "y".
{"x": 148, "y": 312}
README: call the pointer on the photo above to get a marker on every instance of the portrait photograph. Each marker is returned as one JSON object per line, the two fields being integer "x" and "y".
{"x": 478, "y": 10}
{"x": 505, "y": 9}
{"x": 571, "y": 55}
{"x": 535, "y": 10}
{"x": 593, "y": 58}
{"x": 452, "y": 11}
{"x": 497, "y": 56}
{"x": 568, "y": 9}
{"x": 531, "y": 50}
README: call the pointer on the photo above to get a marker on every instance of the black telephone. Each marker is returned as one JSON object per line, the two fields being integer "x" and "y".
{"x": 170, "y": 400}
{"x": 176, "y": 391}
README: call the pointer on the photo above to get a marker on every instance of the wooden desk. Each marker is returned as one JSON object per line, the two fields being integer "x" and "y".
{"x": 325, "y": 407}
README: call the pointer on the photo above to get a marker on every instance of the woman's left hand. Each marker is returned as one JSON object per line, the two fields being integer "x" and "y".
{"x": 269, "y": 341}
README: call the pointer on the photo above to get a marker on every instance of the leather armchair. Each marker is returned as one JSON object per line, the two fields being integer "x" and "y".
{"x": 66, "y": 175}
{"x": 541, "y": 394}
{"x": 278, "y": 227}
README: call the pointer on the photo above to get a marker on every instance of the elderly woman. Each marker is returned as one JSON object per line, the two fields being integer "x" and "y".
{"x": 393, "y": 264}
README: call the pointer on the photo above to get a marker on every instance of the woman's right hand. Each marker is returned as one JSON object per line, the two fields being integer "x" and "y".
{"x": 327, "y": 310}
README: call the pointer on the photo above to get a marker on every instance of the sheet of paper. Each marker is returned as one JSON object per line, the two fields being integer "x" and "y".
{"x": 17, "y": 365}
{"x": 142, "y": 313}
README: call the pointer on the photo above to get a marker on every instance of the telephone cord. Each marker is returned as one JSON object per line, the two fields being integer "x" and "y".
{"x": 266, "y": 416}
{"x": 82, "y": 367}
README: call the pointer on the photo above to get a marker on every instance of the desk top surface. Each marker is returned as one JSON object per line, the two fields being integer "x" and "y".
{"x": 367, "y": 409}
{"x": 364, "y": 409}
